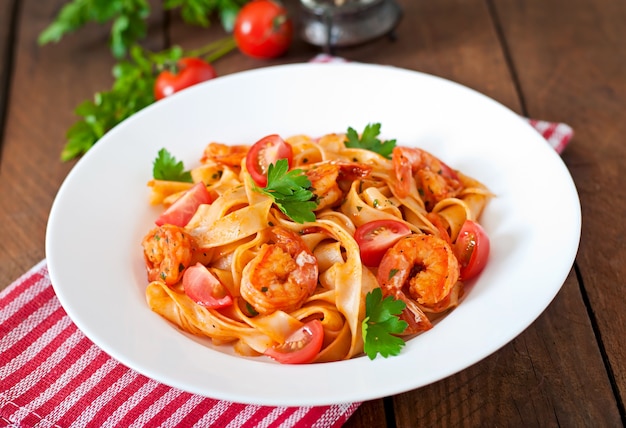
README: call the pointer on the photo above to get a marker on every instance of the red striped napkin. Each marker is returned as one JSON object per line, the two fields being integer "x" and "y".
{"x": 51, "y": 375}
{"x": 558, "y": 135}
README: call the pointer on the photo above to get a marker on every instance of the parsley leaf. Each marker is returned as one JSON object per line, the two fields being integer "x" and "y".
{"x": 132, "y": 90}
{"x": 197, "y": 12}
{"x": 369, "y": 141}
{"x": 381, "y": 323}
{"x": 166, "y": 167}
{"x": 290, "y": 191}
{"x": 128, "y": 18}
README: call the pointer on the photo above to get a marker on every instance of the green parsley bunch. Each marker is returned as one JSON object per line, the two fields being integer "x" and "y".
{"x": 129, "y": 18}
{"x": 132, "y": 90}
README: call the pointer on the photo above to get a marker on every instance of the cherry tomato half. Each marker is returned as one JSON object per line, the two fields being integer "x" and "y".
{"x": 189, "y": 71}
{"x": 263, "y": 29}
{"x": 301, "y": 347}
{"x": 376, "y": 237}
{"x": 265, "y": 152}
{"x": 183, "y": 209}
{"x": 204, "y": 288}
{"x": 471, "y": 249}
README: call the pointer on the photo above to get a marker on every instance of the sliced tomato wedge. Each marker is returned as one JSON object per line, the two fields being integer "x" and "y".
{"x": 376, "y": 237}
{"x": 181, "y": 211}
{"x": 471, "y": 249}
{"x": 204, "y": 288}
{"x": 301, "y": 347}
{"x": 265, "y": 152}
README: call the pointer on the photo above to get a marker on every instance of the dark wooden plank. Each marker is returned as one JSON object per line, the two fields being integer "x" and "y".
{"x": 47, "y": 84}
{"x": 444, "y": 38}
{"x": 369, "y": 414}
{"x": 571, "y": 68}
{"x": 7, "y": 9}
{"x": 6, "y": 12}
{"x": 536, "y": 380}
{"x": 453, "y": 39}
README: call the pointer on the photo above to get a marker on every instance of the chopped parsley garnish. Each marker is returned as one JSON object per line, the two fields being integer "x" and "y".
{"x": 381, "y": 323}
{"x": 369, "y": 140}
{"x": 166, "y": 167}
{"x": 290, "y": 191}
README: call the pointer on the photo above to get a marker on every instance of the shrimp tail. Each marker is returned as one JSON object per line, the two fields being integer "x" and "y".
{"x": 414, "y": 316}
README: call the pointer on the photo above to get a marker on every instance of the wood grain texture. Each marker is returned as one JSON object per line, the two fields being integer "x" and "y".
{"x": 453, "y": 39}
{"x": 47, "y": 84}
{"x": 536, "y": 380}
{"x": 31, "y": 172}
{"x": 7, "y": 9}
{"x": 574, "y": 71}
{"x": 369, "y": 414}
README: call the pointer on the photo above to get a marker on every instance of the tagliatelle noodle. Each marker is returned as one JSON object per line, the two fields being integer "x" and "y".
{"x": 468, "y": 206}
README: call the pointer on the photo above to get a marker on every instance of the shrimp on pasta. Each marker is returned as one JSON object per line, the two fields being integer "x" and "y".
{"x": 168, "y": 251}
{"x": 435, "y": 180}
{"x": 325, "y": 178}
{"x": 296, "y": 233}
{"x": 282, "y": 276}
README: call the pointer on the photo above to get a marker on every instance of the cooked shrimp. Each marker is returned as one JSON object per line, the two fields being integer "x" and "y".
{"x": 168, "y": 251}
{"x": 325, "y": 180}
{"x": 424, "y": 263}
{"x": 419, "y": 268}
{"x": 224, "y": 154}
{"x": 414, "y": 316}
{"x": 282, "y": 276}
{"x": 435, "y": 180}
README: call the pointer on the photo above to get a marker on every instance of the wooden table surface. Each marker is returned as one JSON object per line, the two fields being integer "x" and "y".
{"x": 558, "y": 60}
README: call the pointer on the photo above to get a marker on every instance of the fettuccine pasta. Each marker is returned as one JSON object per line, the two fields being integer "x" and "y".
{"x": 243, "y": 273}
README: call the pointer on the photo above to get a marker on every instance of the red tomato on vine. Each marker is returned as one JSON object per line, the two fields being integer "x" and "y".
{"x": 187, "y": 72}
{"x": 263, "y": 29}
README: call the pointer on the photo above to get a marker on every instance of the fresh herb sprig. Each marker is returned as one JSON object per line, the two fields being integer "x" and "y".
{"x": 197, "y": 12}
{"x": 290, "y": 191}
{"x": 381, "y": 324}
{"x": 129, "y": 18}
{"x": 132, "y": 90}
{"x": 369, "y": 140}
{"x": 167, "y": 167}
{"x": 128, "y": 21}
